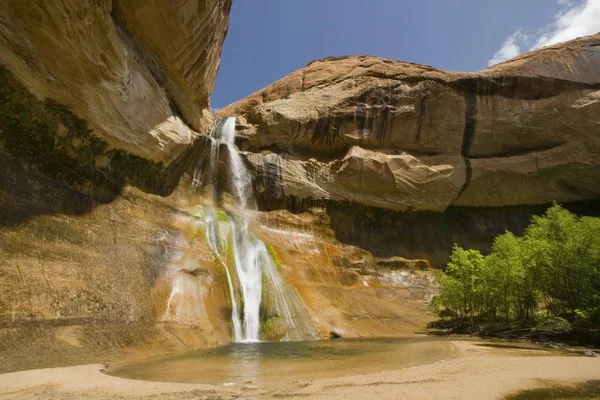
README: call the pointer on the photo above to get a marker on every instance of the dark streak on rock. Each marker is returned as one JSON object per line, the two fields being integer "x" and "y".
{"x": 422, "y": 109}
{"x": 325, "y": 130}
{"x": 470, "y": 89}
{"x": 468, "y": 176}
{"x": 268, "y": 183}
{"x": 273, "y": 178}
{"x": 296, "y": 126}
{"x": 470, "y": 94}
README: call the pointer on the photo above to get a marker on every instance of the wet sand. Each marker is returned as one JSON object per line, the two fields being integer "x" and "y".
{"x": 472, "y": 372}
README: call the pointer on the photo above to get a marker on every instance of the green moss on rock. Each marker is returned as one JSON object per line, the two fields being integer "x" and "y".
{"x": 272, "y": 329}
{"x": 46, "y": 136}
{"x": 273, "y": 255}
{"x": 42, "y": 139}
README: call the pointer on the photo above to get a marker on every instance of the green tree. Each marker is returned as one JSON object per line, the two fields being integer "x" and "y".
{"x": 506, "y": 274}
{"x": 569, "y": 247}
{"x": 553, "y": 270}
{"x": 465, "y": 286}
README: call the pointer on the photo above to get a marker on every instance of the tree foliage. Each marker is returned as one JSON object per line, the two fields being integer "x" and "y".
{"x": 552, "y": 270}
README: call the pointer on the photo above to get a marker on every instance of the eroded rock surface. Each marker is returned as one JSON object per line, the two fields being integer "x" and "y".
{"x": 137, "y": 72}
{"x": 403, "y": 136}
{"x": 345, "y": 288}
{"x": 374, "y": 178}
{"x": 102, "y": 103}
{"x": 131, "y": 278}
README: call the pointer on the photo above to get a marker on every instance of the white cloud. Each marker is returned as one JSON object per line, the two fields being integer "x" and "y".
{"x": 571, "y": 22}
{"x": 510, "y": 48}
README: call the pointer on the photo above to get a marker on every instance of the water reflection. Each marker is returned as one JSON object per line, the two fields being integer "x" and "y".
{"x": 244, "y": 362}
{"x": 276, "y": 362}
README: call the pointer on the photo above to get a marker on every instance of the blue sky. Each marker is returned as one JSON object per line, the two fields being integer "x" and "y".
{"x": 268, "y": 39}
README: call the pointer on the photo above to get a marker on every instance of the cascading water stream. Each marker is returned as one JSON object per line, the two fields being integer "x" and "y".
{"x": 241, "y": 178}
{"x": 212, "y": 235}
{"x": 254, "y": 267}
{"x": 245, "y": 247}
{"x": 248, "y": 267}
{"x": 211, "y": 224}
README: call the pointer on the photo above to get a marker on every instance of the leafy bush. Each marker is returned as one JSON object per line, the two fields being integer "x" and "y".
{"x": 552, "y": 271}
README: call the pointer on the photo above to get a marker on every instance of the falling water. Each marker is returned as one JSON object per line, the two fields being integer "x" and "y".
{"x": 254, "y": 267}
{"x": 212, "y": 235}
{"x": 242, "y": 183}
{"x": 248, "y": 267}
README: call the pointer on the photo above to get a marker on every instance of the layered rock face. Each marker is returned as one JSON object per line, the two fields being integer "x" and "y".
{"x": 131, "y": 278}
{"x": 138, "y": 73}
{"x": 97, "y": 97}
{"x": 403, "y": 136}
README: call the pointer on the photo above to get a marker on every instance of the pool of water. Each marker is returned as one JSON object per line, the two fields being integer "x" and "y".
{"x": 277, "y": 362}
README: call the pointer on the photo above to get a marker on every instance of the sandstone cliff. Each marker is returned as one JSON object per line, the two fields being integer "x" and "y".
{"x": 403, "y": 136}
{"x": 379, "y": 161}
{"x": 96, "y": 96}
{"x": 136, "y": 71}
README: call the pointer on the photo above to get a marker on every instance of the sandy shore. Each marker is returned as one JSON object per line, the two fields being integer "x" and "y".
{"x": 474, "y": 372}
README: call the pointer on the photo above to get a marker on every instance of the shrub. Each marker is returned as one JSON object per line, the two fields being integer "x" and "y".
{"x": 552, "y": 270}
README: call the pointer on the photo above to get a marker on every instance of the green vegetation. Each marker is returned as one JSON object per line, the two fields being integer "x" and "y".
{"x": 271, "y": 328}
{"x": 137, "y": 170}
{"x": 46, "y": 136}
{"x": 222, "y": 215}
{"x": 230, "y": 260}
{"x": 273, "y": 255}
{"x": 547, "y": 280}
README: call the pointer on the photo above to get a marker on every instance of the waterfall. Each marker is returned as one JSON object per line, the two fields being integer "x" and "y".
{"x": 242, "y": 183}
{"x": 212, "y": 236}
{"x": 248, "y": 265}
{"x": 235, "y": 245}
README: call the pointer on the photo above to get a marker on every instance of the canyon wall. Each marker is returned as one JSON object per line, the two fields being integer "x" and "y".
{"x": 104, "y": 113}
{"x": 446, "y": 149}
{"x": 103, "y": 103}
{"x": 366, "y": 171}
{"x": 139, "y": 73}
{"x": 129, "y": 278}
